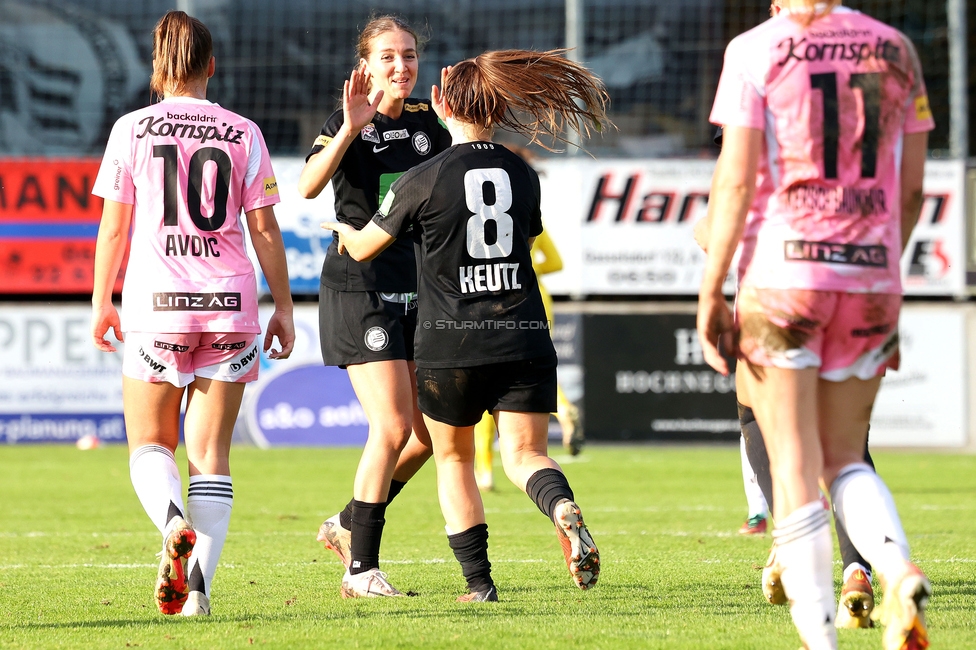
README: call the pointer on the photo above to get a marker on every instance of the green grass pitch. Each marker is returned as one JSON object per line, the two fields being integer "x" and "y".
{"x": 78, "y": 557}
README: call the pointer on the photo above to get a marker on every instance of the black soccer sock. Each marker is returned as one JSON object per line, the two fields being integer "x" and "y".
{"x": 471, "y": 550}
{"x": 395, "y": 487}
{"x": 345, "y": 517}
{"x": 368, "y": 520}
{"x": 756, "y": 452}
{"x": 547, "y": 487}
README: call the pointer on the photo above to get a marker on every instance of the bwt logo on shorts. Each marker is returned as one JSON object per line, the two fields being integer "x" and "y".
{"x": 821, "y": 251}
{"x": 186, "y": 301}
{"x": 237, "y": 366}
{"x": 152, "y": 363}
{"x": 229, "y": 346}
{"x": 172, "y": 347}
{"x": 376, "y": 339}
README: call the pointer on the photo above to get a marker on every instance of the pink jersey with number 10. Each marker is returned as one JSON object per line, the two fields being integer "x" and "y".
{"x": 188, "y": 167}
{"x": 834, "y": 99}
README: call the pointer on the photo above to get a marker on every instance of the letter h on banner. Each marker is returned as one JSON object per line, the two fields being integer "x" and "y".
{"x": 688, "y": 350}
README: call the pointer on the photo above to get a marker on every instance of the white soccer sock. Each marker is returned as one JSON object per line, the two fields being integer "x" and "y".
{"x": 865, "y": 508}
{"x": 805, "y": 552}
{"x": 209, "y": 503}
{"x": 156, "y": 480}
{"x": 754, "y": 496}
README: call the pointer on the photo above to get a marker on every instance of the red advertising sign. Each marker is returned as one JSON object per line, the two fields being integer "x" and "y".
{"x": 48, "y": 225}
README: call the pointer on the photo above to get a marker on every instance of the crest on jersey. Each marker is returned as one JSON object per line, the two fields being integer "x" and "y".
{"x": 369, "y": 133}
{"x": 376, "y": 339}
{"x": 421, "y": 143}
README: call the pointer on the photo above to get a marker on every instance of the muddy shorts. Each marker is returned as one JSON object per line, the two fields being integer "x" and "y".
{"x": 843, "y": 334}
{"x": 180, "y": 358}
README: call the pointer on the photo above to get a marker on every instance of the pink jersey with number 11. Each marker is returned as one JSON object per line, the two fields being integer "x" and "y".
{"x": 189, "y": 168}
{"x": 834, "y": 99}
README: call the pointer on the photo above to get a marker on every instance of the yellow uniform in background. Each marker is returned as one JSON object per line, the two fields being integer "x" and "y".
{"x": 545, "y": 259}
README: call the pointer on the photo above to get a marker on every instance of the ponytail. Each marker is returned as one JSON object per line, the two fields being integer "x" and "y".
{"x": 182, "y": 48}
{"x": 527, "y": 92}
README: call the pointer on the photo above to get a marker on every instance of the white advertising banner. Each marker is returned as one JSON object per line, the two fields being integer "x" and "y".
{"x": 625, "y": 227}
{"x": 54, "y": 385}
{"x": 923, "y": 404}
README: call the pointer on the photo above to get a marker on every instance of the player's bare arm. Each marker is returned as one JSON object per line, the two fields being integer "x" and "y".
{"x": 912, "y": 173}
{"x": 270, "y": 251}
{"x": 361, "y": 245}
{"x": 113, "y": 235}
{"x": 357, "y": 112}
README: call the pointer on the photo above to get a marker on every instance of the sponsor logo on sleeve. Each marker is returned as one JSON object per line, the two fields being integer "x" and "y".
{"x": 376, "y": 339}
{"x": 421, "y": 143}
{"x": 270, "y": 187}
{"x": 923, "y": 111}
{"x": 322, "y": 141}
{"x": 396, "y": 134}
{"x": 369, "y": 133}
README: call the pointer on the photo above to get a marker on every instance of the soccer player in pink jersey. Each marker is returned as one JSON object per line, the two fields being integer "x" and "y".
{"x": 820, "y": 179}
{"x": 179, "y": 173}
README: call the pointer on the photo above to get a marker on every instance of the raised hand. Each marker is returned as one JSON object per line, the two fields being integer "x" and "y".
{"x": 357, "y": 110}
{"x": 437, "y": 99}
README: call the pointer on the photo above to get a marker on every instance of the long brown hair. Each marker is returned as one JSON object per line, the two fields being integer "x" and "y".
{"x": 380, "y": 25}
{"x": 528, "y": 92}
{"x": 182, "y": 47}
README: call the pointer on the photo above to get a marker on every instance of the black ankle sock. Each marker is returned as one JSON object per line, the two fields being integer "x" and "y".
{"x": 367, "y": 532}
{"x": 547, "y": 487}
{"x": 471, "y": 550}
{"x": 345, "y": 517}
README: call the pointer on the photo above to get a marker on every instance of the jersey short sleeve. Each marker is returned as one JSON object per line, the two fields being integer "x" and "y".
{"x": 535, "y": 222}
{"x": 260, "y": 185}
{"x": 329, "y": 130}
{"x": 740, "y": 98}
{"x": 918, "y": 113}
{"x": 114, "y": 180}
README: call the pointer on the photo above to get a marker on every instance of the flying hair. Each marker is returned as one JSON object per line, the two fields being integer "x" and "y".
{"x": 182, "y": 48}
{"x": 806, "y": 11}
{"x": 528, "y": 92}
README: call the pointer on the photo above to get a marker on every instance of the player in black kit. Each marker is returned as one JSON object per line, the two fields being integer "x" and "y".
{"x": 482, "y": 340}
{"x": 367, "y": 310}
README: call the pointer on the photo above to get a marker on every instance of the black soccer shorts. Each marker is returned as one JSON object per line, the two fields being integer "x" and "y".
{"x": 459, "y": 396}
{"x": 362, "y": 326}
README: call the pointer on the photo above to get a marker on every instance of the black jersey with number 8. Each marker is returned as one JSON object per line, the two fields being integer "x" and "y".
{"x": 474, "y": 208}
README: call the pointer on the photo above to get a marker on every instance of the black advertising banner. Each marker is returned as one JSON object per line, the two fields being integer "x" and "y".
{"x": 646, "y": 379}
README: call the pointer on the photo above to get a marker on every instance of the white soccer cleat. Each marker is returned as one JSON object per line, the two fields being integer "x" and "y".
{"x": 902, "y": 611}
{"x": 772, "y": 581}
{"x": 369, "y": 584}
{"x": 336, "y": 538}
{"x": 582, "y": 556}
{"x": 197, "y": 604}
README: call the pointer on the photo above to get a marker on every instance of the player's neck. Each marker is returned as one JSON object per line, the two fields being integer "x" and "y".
{"x": 392, "y": 108}
{"x": 194, "y": 90}
{"x": 462, "y": 132}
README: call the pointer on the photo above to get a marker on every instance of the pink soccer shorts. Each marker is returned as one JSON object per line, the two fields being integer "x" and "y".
{"x": 180, "y": 358}
{"x": 843, "y": 334}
